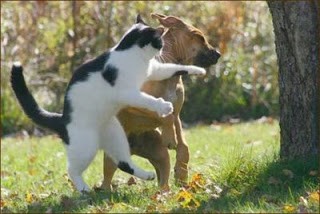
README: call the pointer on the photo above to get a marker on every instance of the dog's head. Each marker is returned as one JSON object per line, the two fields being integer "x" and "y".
{"x": 186, "y": 43}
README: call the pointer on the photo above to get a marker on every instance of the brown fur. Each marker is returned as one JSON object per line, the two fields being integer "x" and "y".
{"x": 182, "y": 43}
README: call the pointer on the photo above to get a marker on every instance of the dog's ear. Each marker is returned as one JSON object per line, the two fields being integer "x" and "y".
{"x": 139, "y": 20}
{"x": 160, "y": 30}
{"x": 168, "y": 21}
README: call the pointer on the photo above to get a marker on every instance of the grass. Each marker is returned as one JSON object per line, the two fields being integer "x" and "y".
{"x": 233, "y": 168}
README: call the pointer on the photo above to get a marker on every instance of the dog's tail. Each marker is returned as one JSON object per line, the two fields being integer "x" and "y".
{"x": 49, "y": 120}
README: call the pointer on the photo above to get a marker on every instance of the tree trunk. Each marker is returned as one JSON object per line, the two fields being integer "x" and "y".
{"x": 297, "y": 46}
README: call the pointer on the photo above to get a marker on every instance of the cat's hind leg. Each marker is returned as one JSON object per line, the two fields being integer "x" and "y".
{"x": 83, "y": 146}
{"x": 116, "y": 146}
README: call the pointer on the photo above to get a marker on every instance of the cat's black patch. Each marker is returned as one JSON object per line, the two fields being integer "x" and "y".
{"x": 110, "y": 74}
{"x": 178, "y": 73}
{"x": 124, "y": 166}
{"x": 80, "y": 74}
{"x": 94, "y": 65}
{"x": 141, "y": 36}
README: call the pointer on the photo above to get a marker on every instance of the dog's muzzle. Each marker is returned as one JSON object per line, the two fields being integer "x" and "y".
{"x": 207, "y": 58}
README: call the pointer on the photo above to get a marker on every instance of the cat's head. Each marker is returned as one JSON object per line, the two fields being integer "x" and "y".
{"x": 143, "y": 36}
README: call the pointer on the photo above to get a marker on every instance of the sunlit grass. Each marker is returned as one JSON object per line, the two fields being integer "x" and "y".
{"x": 242, "y": 160}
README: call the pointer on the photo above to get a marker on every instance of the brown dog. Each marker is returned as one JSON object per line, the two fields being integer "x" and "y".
{"x": 183, "y": 44}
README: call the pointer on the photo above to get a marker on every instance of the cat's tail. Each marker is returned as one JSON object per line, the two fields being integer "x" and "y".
{"x": 41, "y": 117}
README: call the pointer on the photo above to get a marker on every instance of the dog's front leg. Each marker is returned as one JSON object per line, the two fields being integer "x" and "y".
{"x": 182, "y": 155}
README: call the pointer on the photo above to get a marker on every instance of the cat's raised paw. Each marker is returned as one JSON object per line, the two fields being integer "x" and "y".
{"x": 164, "y": 108}
{"x": 197, "y": 70}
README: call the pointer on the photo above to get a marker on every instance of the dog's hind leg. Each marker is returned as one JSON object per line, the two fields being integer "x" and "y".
{"x": 149, "y": 146}
{"x": 109, "y": 168}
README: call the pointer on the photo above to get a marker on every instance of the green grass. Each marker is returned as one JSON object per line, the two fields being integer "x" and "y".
{"x": 241, "y": 160}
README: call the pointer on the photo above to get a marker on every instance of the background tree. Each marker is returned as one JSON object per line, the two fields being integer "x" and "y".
{"x": 296, "y": 28}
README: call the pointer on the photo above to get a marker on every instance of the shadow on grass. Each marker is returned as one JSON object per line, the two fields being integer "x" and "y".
{"x": 280, "y": 183}
{"x": 100, "y": 200}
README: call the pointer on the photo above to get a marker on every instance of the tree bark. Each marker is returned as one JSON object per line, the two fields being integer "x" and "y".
{"x": 296, "y": 28}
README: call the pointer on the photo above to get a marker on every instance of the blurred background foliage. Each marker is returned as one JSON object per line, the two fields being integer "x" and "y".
{"x": 52, "y": 38}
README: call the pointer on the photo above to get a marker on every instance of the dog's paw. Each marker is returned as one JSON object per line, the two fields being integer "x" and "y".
{"x": 164, "y": 108}
{"x": 196, "y": 70}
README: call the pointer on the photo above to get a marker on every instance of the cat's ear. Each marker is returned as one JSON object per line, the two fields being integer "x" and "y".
{"x": 168, "y": 21}
{"x": 139, "y": 20}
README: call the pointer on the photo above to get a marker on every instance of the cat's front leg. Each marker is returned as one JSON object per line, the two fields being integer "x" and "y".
{"x": 159, "y": 71}
{"x": 142, "y": 100}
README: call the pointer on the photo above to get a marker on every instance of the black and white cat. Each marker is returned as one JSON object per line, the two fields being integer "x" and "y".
{"x": 97, "y": 91}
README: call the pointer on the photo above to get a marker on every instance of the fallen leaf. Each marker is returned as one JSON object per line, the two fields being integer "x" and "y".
{"x": 2, "y": 203}
{"x": 29, "y": 197}
{"x": 273, "y": 180}
{"x": 67, "y": 202}
{"x": 288, "y": 173}
{"x": 217, "y": 189}
{"x": 313, "y": 173}
{"x": 4, "y": 192}
{"x": 131, "y": 181}
{"x": 216, "y": 127}
{"x": 32, "y": 158}
{"x": 197, "y": 182}
{"x": 314, "y": 197}
{"x": 289, "y": 208}
{"x": 31, "y": 171}
{"x": 49, "y": 210}
{"x": 214, "y": 196}
{"x": 186, "y": 199}
{"x": 254, "y": 143}
{"x": 268, "y": 198}
{"x": 5, "y": 174}
{"x": 160, "y": 196}
{"x": 44, "y": 195}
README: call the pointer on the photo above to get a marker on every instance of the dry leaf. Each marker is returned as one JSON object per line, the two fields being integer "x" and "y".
{"x": 289, "y": 208}
{"x": 186, "y": 199}
{"x": 49, "y": 210}
{"x": 131, "y": 181}
{"x": 5, "y": 174}
{"x": 159, "y": 196}
{"x": 273, "y": 180}
{"x": 29, "y": 197}
{"x": 313, "y": 173}
{"x": 197, "y": 182}
{"x": 67, "y": 202}
{"x": 288, "y": 173}
{"x": 31, "y": 171}
{"x": 314, "y": 197}
{"x": 32, "y": 158}
{"x": 4, "y": 192}
{"x": 2, "y": 203}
